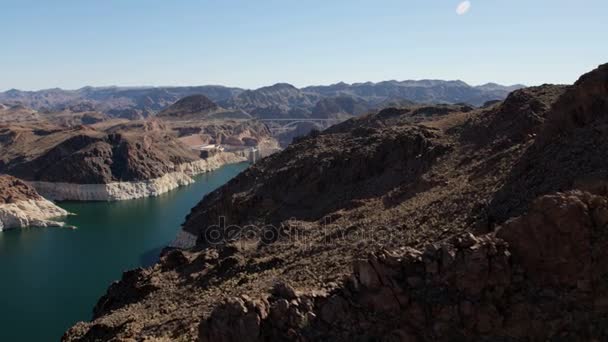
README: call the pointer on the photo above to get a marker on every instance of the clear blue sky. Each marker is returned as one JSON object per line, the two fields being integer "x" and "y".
{"x": 250, "y": 43}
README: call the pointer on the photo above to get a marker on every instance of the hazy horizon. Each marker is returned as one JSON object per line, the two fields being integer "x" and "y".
{"x": 71, "y": 44}
{"x": 245, "y": 88}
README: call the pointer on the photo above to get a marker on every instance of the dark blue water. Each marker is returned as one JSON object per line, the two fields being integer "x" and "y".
{"x": 51, "y": 278}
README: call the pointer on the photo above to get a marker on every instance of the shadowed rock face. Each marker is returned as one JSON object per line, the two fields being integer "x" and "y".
{"x": 381, "y": 229}
{"x": 584, "y": 105}
{"x": 199, "y": 108}
{"x": 340, "y": 106}
{"x": 569, "y": 152}
{"x": 516, "y": 119}
{"x": 87, "y": 160}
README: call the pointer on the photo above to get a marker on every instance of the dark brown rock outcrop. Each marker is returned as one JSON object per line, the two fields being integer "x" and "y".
{"x": 13, "y": 190}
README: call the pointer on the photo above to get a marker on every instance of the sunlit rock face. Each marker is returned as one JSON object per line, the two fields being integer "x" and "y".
{"x": 21, "y": 206}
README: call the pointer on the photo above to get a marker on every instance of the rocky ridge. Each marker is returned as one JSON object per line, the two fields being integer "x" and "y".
{"x": 279, "y": 100}
{"x": 491, "y": 236}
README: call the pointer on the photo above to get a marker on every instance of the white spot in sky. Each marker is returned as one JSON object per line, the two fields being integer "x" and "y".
{"x": 463, "y": 7}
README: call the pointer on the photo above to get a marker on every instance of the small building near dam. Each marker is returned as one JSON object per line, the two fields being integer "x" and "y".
{"x": 252, "y": 153}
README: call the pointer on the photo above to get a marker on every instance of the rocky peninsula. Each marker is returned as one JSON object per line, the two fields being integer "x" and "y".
{"x": 21, "y": 206}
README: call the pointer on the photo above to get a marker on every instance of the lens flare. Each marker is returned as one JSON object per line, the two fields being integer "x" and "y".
{"x": 463, "y": 8}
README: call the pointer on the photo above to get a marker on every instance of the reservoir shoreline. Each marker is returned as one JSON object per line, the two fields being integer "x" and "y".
{"x": 52, "y": 278}
{"x": 120, "y": 191}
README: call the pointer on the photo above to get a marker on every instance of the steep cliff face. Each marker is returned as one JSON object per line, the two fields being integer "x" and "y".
{"x": 472, "y": 236}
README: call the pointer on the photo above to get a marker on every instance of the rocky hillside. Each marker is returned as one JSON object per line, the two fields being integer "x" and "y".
{"x": 18, "y": 113}
{"x": 76, "y": 153}
{"x": 199, "y": 107}
{"x": 340, "y": 107}
{"x": 195, "y": 104}
{"x": 278, "y": 101}
{"x": 73, "y": 155}
{"x": 86, "y": 155}
{"x": 481, "y": 224}
{"x": 568, "y": 153}
{"x": 533, "y": 279}
{"x": 109, "y": 161}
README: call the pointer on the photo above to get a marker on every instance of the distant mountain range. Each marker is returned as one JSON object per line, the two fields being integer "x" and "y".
{"x": 279, "y": 100}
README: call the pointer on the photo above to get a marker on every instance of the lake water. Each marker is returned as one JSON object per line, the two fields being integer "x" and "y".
{"x": 51, "y": 278}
